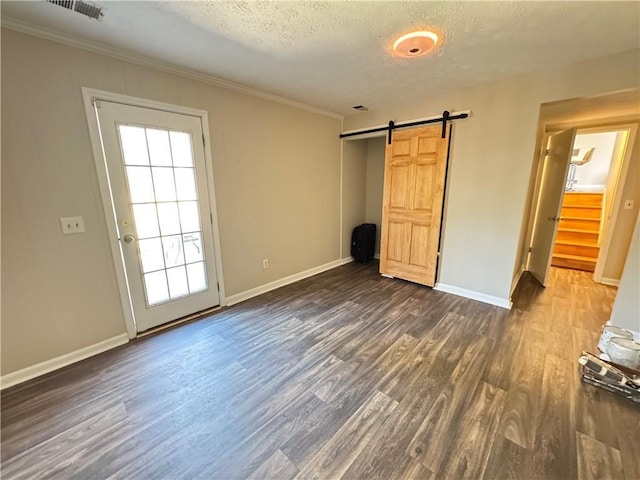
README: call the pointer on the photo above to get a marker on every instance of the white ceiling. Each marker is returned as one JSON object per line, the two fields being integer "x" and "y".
{"x": 334, "y": 55}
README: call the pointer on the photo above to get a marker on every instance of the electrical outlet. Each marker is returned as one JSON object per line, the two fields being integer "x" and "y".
{"x": 265, "y": 263}
{"x": 628, "y": 204}
{"x": 72, "y": 225}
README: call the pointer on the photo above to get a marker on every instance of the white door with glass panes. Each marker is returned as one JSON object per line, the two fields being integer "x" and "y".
{"x": 156, "y": 169}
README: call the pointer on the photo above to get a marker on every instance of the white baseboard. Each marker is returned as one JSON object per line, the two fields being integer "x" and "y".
{"x": 481, "y": 297}
{"x": 516, "y": 280}
{"x": 351, "y": 259}
{"x": 614, "y": 282}
{"x": 267, "y": 287}
{"x": 47, "y": 366}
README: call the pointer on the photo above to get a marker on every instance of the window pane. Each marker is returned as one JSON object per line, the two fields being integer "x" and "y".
{"x": 151, "y": 254}
{"x": 140, "y": 184}
{"x": 197, "y": 277}
{"x": 173, "y": 254}
{"x": 185, "y": 184}
{"x": 189, "y": 217}
{"x": 163, "y": 182}
{"x": 178, "y": 286}
{"x": 192, "y": 247}
{"x": 181, "y": 149}
{"x": 159, "y": 148}
{"x": 156, "y": 286}
{"x": 146, "y": 220}
{"x": 169, "y": 220}
{"x": 134, "y": 145}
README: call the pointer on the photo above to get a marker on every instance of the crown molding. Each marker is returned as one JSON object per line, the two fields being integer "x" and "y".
{"x": 127, "y": 56}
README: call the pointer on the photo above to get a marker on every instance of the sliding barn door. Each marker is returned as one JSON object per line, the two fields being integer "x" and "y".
{"x": 414, "y": 176}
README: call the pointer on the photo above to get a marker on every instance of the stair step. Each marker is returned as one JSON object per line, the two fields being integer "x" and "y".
{"x": 575, "y": 257}
{"x": 588, "y": 207}
{"x": 579, "y": 223}
{"x": 582, "y": 199}
{"x": 574, "y": 262}
{"x": 575, "y": 217}
{"x": 579, "y": 212}
{"x": 577, "y": 242}
{"x": 578, "y": 230}
{"x": 586, "y": 237}
{"x": 588, "y": 251}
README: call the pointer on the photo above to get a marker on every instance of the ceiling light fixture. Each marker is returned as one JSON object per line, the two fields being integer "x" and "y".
{"x": 415, "y": 44}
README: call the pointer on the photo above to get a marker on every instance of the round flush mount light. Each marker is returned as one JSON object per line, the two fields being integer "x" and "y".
{"x": 415, "y": 44}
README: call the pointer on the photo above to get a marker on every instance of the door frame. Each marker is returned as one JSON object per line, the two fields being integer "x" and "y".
{"x": 625, "y": 160}
{"x": 593, "y": 126}
{"x": 89, "y": 95}
{"x": 443, "y": 220}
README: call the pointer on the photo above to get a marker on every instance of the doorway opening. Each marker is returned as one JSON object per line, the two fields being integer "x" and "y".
{"x": 588, "y": 201}
{"x": 400, "y": 186}
{"x": 582, "y": 207}
{"x": 362, "y": 187}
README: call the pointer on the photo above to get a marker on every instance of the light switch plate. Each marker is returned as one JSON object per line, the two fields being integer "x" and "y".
{"x": 72, "y": 225}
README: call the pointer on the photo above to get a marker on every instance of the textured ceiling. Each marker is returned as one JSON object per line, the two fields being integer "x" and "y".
{"x": 334, "y": 55}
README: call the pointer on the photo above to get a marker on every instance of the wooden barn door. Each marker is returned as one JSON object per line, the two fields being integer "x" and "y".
{"x": 414, "y": 177}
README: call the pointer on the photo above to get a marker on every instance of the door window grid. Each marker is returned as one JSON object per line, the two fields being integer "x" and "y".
{"x": 162, "y": 171}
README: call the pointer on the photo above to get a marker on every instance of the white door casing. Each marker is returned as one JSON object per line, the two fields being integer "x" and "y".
{"x": 186, "y": 247}
{"x": 554, "y": 176}
{"x": 615, "y": 181}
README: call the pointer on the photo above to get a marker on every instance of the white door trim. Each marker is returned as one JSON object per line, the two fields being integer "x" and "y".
{"x": 603, "y": 253}
{"x": 88, "y": 96}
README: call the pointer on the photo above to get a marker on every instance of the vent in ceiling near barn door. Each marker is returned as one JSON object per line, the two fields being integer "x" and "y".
{"x": 84, "y": 8}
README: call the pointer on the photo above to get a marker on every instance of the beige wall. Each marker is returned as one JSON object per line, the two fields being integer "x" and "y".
{"x": 491, "y": 161}
{"x": 354, "y": 173}
{"x": 596, "y": 170}
{"x": 375, "y": 184}
{"x": 277, "y": 181}
{"x": 626, "y": 308}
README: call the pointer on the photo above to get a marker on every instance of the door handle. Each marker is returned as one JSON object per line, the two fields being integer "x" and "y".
{"x": 554, "y": 219}
{"x": 128, "y": 238}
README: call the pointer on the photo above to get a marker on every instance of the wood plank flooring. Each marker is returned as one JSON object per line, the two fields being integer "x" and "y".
{"x": 343, "y": 375}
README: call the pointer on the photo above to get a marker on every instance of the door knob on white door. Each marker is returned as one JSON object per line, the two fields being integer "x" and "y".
{"x": 129, "y": 238}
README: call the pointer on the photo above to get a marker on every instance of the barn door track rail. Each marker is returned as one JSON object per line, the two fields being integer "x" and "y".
{"x": 444, "y": 118}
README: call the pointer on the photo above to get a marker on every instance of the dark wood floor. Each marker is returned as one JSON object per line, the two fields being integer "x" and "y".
{"x": 343, "y": 375}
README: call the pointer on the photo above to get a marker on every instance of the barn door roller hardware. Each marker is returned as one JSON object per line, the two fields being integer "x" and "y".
{"x": 392, "y": 125}
{"x": 444, "y": 118}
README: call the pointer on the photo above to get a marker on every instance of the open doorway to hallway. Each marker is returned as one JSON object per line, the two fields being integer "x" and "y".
{"x": 614, "y": 114}
{"x": 598, "y": 167}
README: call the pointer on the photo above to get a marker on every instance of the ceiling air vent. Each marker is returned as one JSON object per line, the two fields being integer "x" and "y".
{"x": 361, "y": 108}
{"x": 86, "y": 9}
